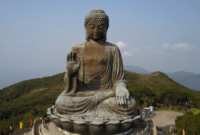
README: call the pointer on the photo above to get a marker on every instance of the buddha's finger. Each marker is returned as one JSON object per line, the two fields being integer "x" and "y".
{"x": 68, "y": 57}
{"x": 73, "y": 56}
{"x": 122, "y": 99}
{"x": 128, "y": 95}
{"x": 117, "y": 99}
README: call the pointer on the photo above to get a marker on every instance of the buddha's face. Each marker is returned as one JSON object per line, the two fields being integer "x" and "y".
{"x": 96, "y": 30}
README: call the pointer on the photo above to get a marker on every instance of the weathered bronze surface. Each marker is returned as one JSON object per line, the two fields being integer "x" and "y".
{"x": 95, "y": 84}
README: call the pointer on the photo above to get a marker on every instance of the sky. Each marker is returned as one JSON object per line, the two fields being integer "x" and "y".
{"x": 36, "y": 36}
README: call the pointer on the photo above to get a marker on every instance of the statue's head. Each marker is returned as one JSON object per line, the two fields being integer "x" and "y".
{"x": 96, "y": 25}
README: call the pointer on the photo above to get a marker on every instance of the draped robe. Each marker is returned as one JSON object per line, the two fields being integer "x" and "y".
{"x": 105, "y": 76}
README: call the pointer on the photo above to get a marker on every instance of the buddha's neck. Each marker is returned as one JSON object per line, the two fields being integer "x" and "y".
{"x": 97, "y": 43}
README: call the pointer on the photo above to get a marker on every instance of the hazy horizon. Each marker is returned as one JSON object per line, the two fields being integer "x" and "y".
{"x": 25, "y": 76}
{"x": 35, "y": 36}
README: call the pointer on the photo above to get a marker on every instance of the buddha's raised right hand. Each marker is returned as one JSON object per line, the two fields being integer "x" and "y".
{"x": 72, "y": 63}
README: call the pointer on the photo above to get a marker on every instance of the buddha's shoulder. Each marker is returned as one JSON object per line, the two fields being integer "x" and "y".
{"x": 110, "y": 44}
{"x": 78, "y": 45}
{"x": 113, "y": 46}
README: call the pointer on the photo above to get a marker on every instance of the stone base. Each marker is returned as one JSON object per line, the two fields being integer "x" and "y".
{"x": 93, "y": 126}
{"x": 139, "y": 127}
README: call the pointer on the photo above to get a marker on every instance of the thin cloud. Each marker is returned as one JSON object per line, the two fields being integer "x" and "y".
{"x": 129, "y": 53}
{"x": 134, "y": 50}
{"x": 121, "y": 44}
{"x": 183, "y": 47}
{"x": 126, "y": 53}
{"x": 180, "y": 46}
{"x": 166, "y": 45}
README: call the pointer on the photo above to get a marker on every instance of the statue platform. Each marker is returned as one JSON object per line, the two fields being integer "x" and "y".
{"x": 46, "y": 127}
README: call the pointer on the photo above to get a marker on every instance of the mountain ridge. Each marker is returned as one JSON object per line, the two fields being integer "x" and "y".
{"x": 188, "y": 79}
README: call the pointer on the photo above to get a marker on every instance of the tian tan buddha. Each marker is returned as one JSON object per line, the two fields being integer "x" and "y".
{"x": 95, "y": 90}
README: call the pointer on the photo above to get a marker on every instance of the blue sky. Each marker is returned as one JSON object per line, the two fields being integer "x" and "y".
{"x": 35, "y": 36}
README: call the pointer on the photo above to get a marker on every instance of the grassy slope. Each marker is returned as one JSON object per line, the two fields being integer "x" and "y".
{"x": 22, "y": 106}
{"x": 17, "y": 101}
{"x": 155, "y": 81}
{"x": 24, "y": 87}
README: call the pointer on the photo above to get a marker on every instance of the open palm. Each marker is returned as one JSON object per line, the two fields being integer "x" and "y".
{"x": 122, "y": 95}
{"x": 72, "y": 64}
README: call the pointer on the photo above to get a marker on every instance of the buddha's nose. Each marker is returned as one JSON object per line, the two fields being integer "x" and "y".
{"x": 96, "y": 30}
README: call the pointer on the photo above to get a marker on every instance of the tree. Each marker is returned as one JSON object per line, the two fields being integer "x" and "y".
{"x": 151, "y": 100}
{"x": 172, "y": 97}
{"x": 143, "y": 95}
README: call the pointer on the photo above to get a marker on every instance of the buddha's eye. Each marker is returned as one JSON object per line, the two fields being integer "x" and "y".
{"x": 101, "y": 27}
{"x": 92, "y": 26}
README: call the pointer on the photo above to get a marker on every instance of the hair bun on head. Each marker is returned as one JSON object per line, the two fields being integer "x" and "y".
{"x": 97, "y": 14}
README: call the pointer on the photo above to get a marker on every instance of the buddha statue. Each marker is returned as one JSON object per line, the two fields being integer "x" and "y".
{"x": 95, "y": 83}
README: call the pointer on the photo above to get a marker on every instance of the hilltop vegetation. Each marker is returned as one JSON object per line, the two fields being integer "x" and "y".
{"x": 188, "y": 79}
{"x": 27, "y": 100}
{"x": 156, "y": 81}
{"x": 30, "y": 99}
{"x": 163, "y": 90}
{"x": 24, "y": 87}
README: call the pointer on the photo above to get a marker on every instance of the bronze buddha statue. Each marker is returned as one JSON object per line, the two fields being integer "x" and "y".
{"x": 95, "y": 84}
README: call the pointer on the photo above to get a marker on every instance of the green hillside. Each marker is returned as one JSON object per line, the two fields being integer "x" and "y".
{"x": 30, "y": 99}
{"x": 156, "y": 81}
{"x": 24, "y": 87}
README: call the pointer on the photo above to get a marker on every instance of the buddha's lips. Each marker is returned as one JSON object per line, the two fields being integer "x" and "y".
{"x": 96, "y": 34}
